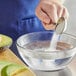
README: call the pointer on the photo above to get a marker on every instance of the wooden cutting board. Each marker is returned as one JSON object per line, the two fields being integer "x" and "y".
{"x": 7, "y": 54}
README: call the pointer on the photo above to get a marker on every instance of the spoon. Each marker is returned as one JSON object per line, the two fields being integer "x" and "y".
{"x": 61, "y": 26}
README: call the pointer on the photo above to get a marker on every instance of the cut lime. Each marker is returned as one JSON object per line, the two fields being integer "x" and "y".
{"x": 3, "y": 64}
{"x": 5, "y": 40}
{"x": 10, "y": 69}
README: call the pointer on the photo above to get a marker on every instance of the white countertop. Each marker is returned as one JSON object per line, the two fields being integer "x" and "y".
{"x": 71, "y": 6}
{"x": 69, "y": 71}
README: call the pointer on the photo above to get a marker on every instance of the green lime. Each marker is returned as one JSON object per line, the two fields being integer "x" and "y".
{"x": 5, "y": 40}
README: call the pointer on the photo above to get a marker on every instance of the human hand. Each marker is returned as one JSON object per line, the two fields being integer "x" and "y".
{"x": 49, "y": 12}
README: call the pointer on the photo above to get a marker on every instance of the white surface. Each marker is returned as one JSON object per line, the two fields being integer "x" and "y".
{"x": 69, "y": 71}
{"x": 71, "y": 6}
{"x": 65, "y": 72}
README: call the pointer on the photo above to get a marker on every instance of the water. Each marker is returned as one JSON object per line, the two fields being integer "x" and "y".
{"x": 45, "y": 60}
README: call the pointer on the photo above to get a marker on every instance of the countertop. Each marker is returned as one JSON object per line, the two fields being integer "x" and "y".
{"x": 70, "y": 70}
{"x": 7, "y": 55}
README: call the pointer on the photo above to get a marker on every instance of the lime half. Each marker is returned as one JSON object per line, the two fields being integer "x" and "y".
{"x": 5, "y": 41}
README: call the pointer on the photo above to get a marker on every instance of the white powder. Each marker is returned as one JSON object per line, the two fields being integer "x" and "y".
{"x": 53, "y": 42}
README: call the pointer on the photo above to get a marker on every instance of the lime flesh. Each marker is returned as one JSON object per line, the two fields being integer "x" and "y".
{"x": 5, "y": 40}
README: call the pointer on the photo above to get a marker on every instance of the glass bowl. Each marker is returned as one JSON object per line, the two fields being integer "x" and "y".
{"x": 33, "y": 48}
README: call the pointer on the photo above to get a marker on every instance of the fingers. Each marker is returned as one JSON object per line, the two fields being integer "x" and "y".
{"x": 61, "y": 11}
{"x": 46, "y": 12}
{"x": 51, "y": 11}
{"x": 42, "y": 15}
{"x": 48, "y": 26}
{"x": 65, "y": 13}
{"x": 59, "y": 8}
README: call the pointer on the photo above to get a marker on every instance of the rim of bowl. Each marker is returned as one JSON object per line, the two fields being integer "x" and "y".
{"x": 72, "y": 36}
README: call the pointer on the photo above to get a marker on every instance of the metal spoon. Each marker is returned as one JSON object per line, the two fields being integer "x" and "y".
{"x": 61, "y": 26}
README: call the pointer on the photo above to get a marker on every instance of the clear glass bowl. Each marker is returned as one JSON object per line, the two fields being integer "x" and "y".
{"x": 33, "y": 48}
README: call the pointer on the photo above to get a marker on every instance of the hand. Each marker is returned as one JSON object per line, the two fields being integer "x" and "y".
{"x": 49, "y": 12}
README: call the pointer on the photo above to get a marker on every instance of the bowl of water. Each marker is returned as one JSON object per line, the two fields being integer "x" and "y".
{"x": 47, "y": 51}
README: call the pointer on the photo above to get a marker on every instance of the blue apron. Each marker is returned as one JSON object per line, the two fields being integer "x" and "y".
{"x": 17, "y": 17}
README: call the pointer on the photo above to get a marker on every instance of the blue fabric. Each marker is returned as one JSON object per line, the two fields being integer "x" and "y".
{"x": 17, "y": 17}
